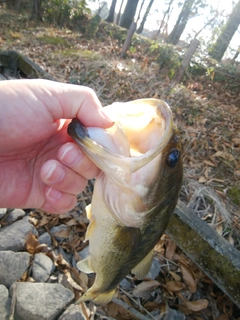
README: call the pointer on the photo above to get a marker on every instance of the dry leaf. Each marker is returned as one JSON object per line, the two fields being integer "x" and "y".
{"x": 209, "y": 163}
{"x": 62, "y": 233}
{"x": 188, "y": 278}
{"x": 175, "y": 276}
{"x": 171, "y": 248}
{"x": 173, "y": 286}
{"x": 236, "y": 141}
{"x": 202, "y": 179}
{"x": 196, "y": 305}
{"x": 31, "y": 243}
{"x": 145, "y": 286}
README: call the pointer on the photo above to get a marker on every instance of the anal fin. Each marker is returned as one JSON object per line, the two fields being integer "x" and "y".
{"x": 142, "y": 269}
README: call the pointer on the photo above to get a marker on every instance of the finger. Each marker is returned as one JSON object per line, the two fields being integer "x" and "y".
{"x": 66, "y": 101}
{"x": 58, "y": 202}
{"x": 54, "y": 174}
{"x": 72, "y": 156}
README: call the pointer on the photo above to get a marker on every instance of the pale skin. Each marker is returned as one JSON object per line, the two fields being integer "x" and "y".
{"x": 40, "y": 165}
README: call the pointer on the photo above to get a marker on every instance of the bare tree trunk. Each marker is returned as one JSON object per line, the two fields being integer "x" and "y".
{"x": 128, "y": 39}
{"x": 236, "y": 54}
{"x": 226, "y": 35}
{"x": 140, "y": 10}
{"x": 140, "y": 29}
{"x": 186, "y": 60}
{"x": 163, "y": 20}
{"x": 119, "y": 13}
{"x": 37, "y": 10}
{"x": 129, "y": 13}
{"x": 110, "y": 17}
{"x": 181, "y": 23}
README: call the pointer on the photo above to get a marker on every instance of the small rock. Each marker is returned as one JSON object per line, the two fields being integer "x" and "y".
{"x": 40, "y": 301}
{"x": 14, "y": 215}
{"x": 60, "y": 232}
{"x": 45, "y": 238}
{"x": 66, "y": 256}
{"x": 84, "y": 253}
{"x": 42, "y": 267}
{"x": 3, "y": 211}
{"x": 74, "y": 312}
{"x": 126, "y": 285}
{"x": 13, "y": 237}
{"x": 173, "y": 314}
{"x": 12, "y": 266}
{"x": 170, "y": 314}
{"x": 154, "y": 270}
{"x": 5, "y": 303}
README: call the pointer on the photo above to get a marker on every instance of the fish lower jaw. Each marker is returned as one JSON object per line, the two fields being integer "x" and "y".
{"x": 99, "y": 298}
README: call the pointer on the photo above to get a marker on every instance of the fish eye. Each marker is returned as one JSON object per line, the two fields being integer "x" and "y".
{"x": 172, "y": 158}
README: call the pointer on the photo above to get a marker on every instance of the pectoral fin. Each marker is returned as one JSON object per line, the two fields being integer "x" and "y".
{"x": 85, "y": 265}
{"x": 142, "y": 269}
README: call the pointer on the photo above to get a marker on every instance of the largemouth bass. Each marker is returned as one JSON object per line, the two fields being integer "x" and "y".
{"x": 134, "y": 194}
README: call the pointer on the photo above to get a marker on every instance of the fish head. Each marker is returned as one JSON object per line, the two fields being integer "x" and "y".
{"x": 140, "y": 157}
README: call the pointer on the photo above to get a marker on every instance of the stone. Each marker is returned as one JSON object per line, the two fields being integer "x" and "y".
{"x": 14, "y": 215}
{"x": 173, "y": 314}
{"x": 66, "y": 256}
{"x": 13, "y": 237}
{"x": 126, "y": 285}
{"x": 40, "y": 301}
{"x": 84, "y": 253}
{"x": 154, "y": 270}
{"x": 12, "y": 266}
{"x": 60, "y": 232}
{"x": 74, "y": 312}
{"x": 42, "y": 267}
{"x": 170, "y": 314}
{"x": 45, "y": 238}
{"x": 5, "y": 303}
{"x": 3, "y": 211}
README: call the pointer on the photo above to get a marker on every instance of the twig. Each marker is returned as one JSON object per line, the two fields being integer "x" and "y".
{"x": 14, "y": 300}
{"x": 129, "y": 295}
{"x": 131, "y": 310}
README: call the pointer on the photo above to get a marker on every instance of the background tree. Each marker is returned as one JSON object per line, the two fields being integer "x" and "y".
{"x": 163, "y": 25}
{"x": 37, "y": 10}
{"x": 110, "y": 17}
{"x": 140, "y": 29}
{"x": 181, "y": 23}
{"x": 226, "y": 35}
{"x": 119, "y": 13}
{"x": 129, "y": 13}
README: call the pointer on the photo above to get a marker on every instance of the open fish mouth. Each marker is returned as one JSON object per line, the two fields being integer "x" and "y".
{"x": 134, "y": 194}
{"x": 138, "y": 119}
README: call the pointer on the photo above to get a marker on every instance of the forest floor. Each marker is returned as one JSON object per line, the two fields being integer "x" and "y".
{"x": 208, "y": 115}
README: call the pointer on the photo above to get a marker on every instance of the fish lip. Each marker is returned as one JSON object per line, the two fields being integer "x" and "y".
{"x": 76, "y": 130}
{"x": 80, "y": 134}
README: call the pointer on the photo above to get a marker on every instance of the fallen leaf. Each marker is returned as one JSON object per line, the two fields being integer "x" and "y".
{"x": 188, "y": 278}
{"x": 145, "y": 286}
{"x": 62, "y": 233}
{"x": 196, "y": 305}
{"x": 202, "y": 179}
{"x": 173, "y": 286}
{"x": 31, "y": 243}
{"x": 236, "y": 141}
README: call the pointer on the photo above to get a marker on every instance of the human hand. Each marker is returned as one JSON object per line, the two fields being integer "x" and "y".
{"x": 40, "y": 165}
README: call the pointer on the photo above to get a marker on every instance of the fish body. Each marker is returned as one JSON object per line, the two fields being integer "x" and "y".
{"x": 134, "y": 194}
